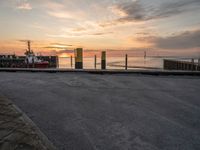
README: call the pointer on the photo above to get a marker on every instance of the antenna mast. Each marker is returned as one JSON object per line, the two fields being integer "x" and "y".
{"x": 29, "y": 46}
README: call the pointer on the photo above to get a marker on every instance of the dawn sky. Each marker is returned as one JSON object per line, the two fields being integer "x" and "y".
{"x": 57, "y": 25}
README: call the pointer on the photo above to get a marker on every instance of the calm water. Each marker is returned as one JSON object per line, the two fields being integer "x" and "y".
{"x": 119, "y": 62}
{"x": 116, "y": 63}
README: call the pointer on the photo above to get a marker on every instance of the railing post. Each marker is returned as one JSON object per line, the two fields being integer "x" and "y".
{"x": 126, "y": 62}
{"x": 103, "y": 60}
{"x": 95, "y": 61}
{"x": 57, "y": 62}
{"x": 71, "y": 58}
{"x": 79, "y": 58}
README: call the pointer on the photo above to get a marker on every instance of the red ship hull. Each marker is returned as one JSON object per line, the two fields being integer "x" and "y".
{"x": 42, "y": 65}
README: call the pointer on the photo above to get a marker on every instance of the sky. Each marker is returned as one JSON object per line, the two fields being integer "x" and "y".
{"x": 168, "y": 27}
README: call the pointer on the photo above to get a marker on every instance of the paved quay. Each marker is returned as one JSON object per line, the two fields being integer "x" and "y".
{"x": 17, "y": 132}
{"x": 82, "y": 111}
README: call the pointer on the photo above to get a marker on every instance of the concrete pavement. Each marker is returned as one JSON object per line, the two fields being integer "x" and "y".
{"x": 81, "y": 111}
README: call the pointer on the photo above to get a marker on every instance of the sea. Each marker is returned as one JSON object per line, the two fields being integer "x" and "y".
{"x": 119, "y": 62}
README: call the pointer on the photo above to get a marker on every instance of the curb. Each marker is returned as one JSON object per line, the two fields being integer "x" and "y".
{"x": 45, "y": 141}
{"x": 92, "y": 71}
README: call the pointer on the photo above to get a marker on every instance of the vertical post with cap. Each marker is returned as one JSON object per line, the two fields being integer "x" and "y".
{"x": 103, "y": 60}
{"x": 79, "y": 58}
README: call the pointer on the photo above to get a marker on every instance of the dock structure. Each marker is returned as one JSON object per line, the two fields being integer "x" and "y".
{"x": 13, "y": 61}
{"x": 181, "y": 65}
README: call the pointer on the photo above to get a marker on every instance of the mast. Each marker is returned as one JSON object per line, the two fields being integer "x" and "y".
{"x": 29, "y": 46}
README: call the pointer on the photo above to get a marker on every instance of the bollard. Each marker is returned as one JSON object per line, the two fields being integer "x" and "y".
{"x": 126, "y": 62}
{"x": 79, "y": 58}
{"x": 71, "y": 58}
{"x": 95, "y": 61}
{"x": 103, "y": 60}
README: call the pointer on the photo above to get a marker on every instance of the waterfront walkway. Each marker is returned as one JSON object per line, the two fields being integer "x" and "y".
{"x": 17, "y": 132}
{"x": 82, "y": 111}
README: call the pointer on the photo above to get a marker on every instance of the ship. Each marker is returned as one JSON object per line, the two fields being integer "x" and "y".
{"x": 33, "y": 61}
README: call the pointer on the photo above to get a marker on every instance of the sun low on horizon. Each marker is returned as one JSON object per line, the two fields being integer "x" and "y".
{"x": 169, "y": 27}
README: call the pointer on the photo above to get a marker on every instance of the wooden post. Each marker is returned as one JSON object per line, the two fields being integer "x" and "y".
{"x": 79, "y": 58}
{"x": 103, "y": 60}
{"x": 126, "y": 62}
{"x": 71, "y": 58}
{"x": 95, "y": 61}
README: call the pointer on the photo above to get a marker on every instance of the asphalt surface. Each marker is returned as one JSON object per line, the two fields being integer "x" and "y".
{"x": 80, "y": 111}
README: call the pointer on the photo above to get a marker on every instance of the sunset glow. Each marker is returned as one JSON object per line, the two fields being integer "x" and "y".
{"x": 65, "y": 55}
{"x": 170, "y": 27}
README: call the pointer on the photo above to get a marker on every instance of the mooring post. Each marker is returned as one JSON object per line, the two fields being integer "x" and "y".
{"x": 79, "y": 58}
{"x": 71, "y": 58}
{"x": 126, "y": 62}
{"x": 103, "y": 60}
{"x": 95, "y": 61}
